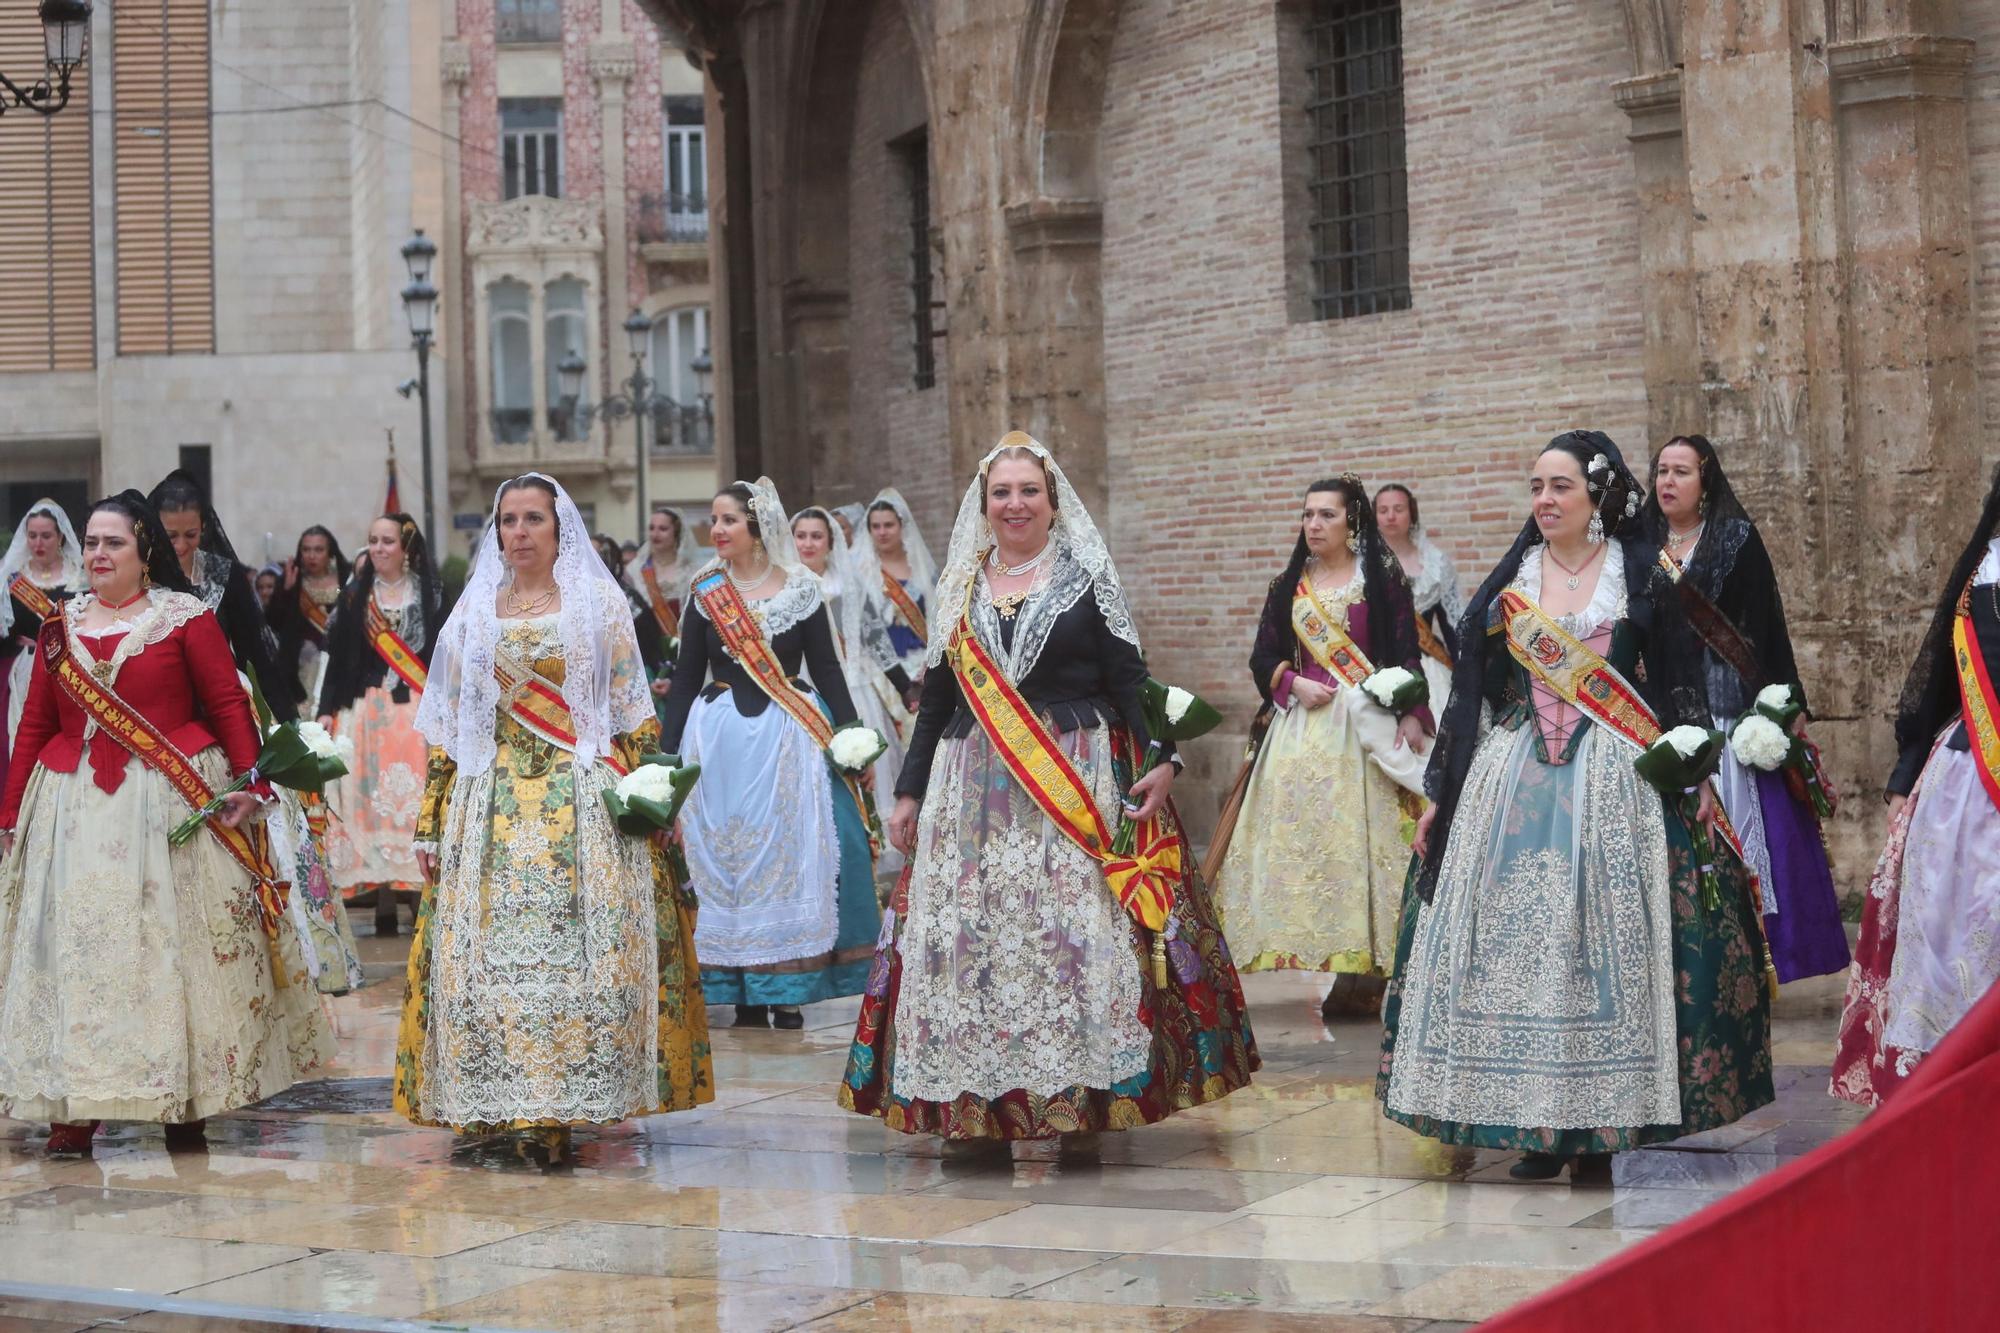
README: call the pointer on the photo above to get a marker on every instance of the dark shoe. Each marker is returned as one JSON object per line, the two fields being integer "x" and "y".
{"x": 787, "y": 1018}
{"x": 752, "y": 1016}
{"x": 1536, "y": 1166}
{"x": 1353, "y": 996}
{"x": 71, "y": 1140}
{"x": 1590, "y": 1168}
{"x": 190, "y": 1137}
{"x": 386, "y": 924}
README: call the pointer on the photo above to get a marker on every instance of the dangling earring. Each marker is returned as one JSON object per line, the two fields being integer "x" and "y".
{"x": 1353, "y": 540}
{"x": 1701, "y": 506}
{"x": 1596, "y": 533}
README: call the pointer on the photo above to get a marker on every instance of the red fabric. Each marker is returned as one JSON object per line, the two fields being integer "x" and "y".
{"x": 185, "y": 685}
{"x": 1890, "y": 1226}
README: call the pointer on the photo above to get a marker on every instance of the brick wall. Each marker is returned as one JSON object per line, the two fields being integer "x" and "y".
{"x": 1525, "y": 318}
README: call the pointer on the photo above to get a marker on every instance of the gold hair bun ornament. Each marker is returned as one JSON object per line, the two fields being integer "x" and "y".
{"x": 1017, "y": 439}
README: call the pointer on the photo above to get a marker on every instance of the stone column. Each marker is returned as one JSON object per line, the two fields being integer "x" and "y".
{"x": 1055, "y": 342}
{"x": 454, "y": 371}
{"x": 1659, "y": 166}
{"x": 612, "y": 64}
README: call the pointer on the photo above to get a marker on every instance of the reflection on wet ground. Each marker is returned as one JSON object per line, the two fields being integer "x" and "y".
{"x": 1293, "y": 1204}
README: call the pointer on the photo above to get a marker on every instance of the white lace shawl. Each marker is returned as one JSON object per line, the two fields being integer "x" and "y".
{"x": 461, "y": 708}
{"x": 1436, "y": 581}
{"x": 166, "y": 611}
{"x": 865, "y": 612}
{"x": 801, "y": 595}
{"x": 972, "y": 537}
{"x": 16, "y": 560}
{"x": 1607, "y": 604}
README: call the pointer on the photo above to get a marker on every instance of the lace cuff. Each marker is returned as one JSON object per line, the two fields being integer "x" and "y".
{"x": 439, "y": 778}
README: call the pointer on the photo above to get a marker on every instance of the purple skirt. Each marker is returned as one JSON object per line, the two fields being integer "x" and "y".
{"x": 1806, "y": 934}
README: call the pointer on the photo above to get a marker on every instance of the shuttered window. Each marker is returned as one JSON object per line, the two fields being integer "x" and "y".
{"x": 166, "y": 266}
{"x": 45, "y": 243}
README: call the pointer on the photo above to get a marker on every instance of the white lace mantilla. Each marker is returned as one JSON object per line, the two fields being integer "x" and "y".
{"x": 791, "y": 605}
{"x": 1607, "y": 604}
{"x": 1061, "y": 586}
{"x": 1435, "y": 584}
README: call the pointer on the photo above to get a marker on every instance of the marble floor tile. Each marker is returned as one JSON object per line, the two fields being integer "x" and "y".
{"x": 1441, "y": 1202}
{"x": 1397, "y": 1154}
{"x": 392, "y": 1285}
{"x": 1058, "y": 1226}
{"x": 616, "y": 1304}
{"x": 1644, "y": 1209}
{"x": 22, "y": 1314}
{"x": 896, "y": 1312}
{"x": 1470, "y": 1293}
{"x": 1230, "y": 1283}
{"x": 1332, "y": 1196}
{"x": 412, "y": 1231}
{"x": 1483, "y": 1245}
{"x": 130, "y": 1263}
{"x": 1339, "y": 1240}
{"x": 1117, "y": 1186}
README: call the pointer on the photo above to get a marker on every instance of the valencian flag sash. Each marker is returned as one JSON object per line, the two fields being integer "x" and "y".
{"x": 24, "y": 591}
{"x": 1145, "y": 880}
{"x": 906, "y": 606}
{"x": 314, "y": 613}
{"x": 1430, "y": 644}
{"x": 1982, "y": 700}
{"x": 395, "y": 653}
{"x": 91, "y": 691}
{"x": 666, "y": 610}
{"x": 1325, "y": 637}
{"x": 744, "y": 639}
{"x": 537, "y": 703}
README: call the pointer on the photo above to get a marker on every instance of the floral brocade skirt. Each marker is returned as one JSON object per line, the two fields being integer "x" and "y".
{"x": 1012, "y": 997}
{"x": 1313, "y": 877}
{"x": 368, "y": 843}
{"x": 137, "y": 981}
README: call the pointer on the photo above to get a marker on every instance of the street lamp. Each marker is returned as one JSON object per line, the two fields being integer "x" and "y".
{"x": 65, "y": 42}
{"x": 420, "y": 305}
{"x": 639, "y": 400}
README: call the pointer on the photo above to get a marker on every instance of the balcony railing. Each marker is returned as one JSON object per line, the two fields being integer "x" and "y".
{"x": 682, "y": 429}
{"x": 674, "y": 219}
{"x": 528, "y": 21}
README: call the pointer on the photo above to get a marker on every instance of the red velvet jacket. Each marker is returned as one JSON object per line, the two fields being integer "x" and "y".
{"x": 185, "y": 684}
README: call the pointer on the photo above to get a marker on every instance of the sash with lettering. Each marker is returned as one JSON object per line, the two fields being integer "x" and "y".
{"x": 1144, "y": 881}
{"x": 315, "y": 614}
{"x": 537, "y": 703}
{"x": 906, "y": 606}
{"x": 27, "y": 594}
{"x": 1325, "y": 637}
{"x": 247, "y": 843}
{"x": 396, "y": 654}
{"x": 666, "y": 610}
{"x": 1982, "y": 701}
{"x": 1588, "y": 683}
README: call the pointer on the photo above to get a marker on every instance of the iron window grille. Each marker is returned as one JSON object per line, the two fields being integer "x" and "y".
{"x": 927, "y": 325}
{"x": 530, "y": 146}
{"x": 528, "y": 20}
{"x": 1360, "y": 191}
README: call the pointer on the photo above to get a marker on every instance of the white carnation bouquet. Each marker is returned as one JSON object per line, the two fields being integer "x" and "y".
{"x": 855, "y": 747}
{"x": 1764, "y": 739}
{"x": 1676, "y": 765}
{"x": 1397, "y": 689}
{"x": 650, "y": 797}
{"x": 303, "y": 756}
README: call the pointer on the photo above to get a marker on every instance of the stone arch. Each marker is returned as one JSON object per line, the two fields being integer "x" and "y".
{"x": 1059, "y": 99}
{"x": 1654, "y": 28}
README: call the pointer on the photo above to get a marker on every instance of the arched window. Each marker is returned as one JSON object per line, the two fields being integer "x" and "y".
{"x": 510, "y": 338}
{"x": 679, "y": 337}
{"x": 563, "y": 330}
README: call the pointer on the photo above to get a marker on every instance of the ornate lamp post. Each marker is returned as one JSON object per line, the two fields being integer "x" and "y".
{"x": 65, "y": 41}
{"x": 638, "y": 401}
{"x": 420, "y": 305}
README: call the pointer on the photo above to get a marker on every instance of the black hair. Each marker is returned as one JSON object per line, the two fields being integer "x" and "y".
{"x": 341, "y": 567}
{"x": 1392, "y": 629}
{"x": 1416, "y": 520}
{"x": 743, "y": 495}
{"x": 1614, "y": 492}
{"x": 156, "y": 553}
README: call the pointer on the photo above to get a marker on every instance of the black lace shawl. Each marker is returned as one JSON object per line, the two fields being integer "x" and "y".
{"x": 1930, "y": 692}
{"x": 289, "y": 622}
{"x": 1392, "y": 622}
{"x": 240, "y": 613}
{"x": 353, "y": 667}
{"x": 1672, "y": 682}
{"x": 1729, "y": 591}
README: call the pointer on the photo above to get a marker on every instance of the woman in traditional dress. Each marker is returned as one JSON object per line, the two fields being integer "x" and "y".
{"x": 552, "y": 978}
{"x": 317, "y": 573}
{"x": 43, "y": 568}
{"x": 825, "y": 551}
{"x": 776, "y": 844}
{"x": 208, "y": 562}
{"x": 1730, "y": 593}
{"x": 895, "y": 581}
{"x": 1930, "y": 927}
{"x": 1313, "y": 874}
{"x": 270, "y": 580}
{"x": 378, "y": 657}
{"x": 1433, "y": 584}
{"x": 1562, "y": 987}
{"x": 660, "y": 580}
{"x": 139, "y": 980}
{"x": 1031, "y": 981}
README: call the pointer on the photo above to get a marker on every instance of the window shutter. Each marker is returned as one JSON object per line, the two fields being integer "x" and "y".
{"x": 160, "y": 109}
{"x": 46, "y": 290}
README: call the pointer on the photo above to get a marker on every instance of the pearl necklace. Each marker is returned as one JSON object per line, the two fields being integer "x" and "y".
{"x": 1678, "y": 539}
{"x": 747, "y": 585}
{"x": 1027, "y": 566}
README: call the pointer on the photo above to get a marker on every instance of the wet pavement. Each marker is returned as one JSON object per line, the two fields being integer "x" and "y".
{"x": 1291, "y": 1205}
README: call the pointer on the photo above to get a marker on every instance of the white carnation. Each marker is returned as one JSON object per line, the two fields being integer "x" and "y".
{"x": 651, "y": 782}
{"x": 318, "y": 740}
{"x": 854, "y": 748}
{"x": 1178, "y": 702}
{"x": 1760, "y": 743}
{"x": 1686, "y": 740}
{"x": 1775, "y": 697}
{"x": 1384, "y": 684}
{"x": 343, "y": 748}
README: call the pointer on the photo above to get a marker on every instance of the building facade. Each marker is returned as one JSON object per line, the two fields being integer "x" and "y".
{"x": 1209, "y": 252}
{"x": 199, "y": 260}
{"x": 577, "y": 198}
